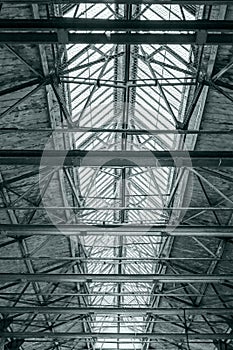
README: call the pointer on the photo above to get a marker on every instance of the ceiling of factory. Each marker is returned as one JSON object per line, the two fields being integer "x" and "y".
{"x": 116, "y": 175}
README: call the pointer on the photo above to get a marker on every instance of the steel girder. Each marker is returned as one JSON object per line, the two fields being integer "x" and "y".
{"x": 149, "y": 2}
{"x": 114, "y": 278}
{"x": 114, "y": 310}
{"x": 116, "y": 159}
{"x": 63, "y": 37}
{"x": 79, "y": 24}
{"x": 132, "y": 230}
{"x": 79, "y": 335}
{"x": 149, "y": 132}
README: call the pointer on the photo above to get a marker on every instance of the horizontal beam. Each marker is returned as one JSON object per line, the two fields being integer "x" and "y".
{"x": 107, "y": 336}
{"x": 113, "y": 311}
{"x": 114, "y": 260}
{"x": 200, "y": 38}
{"x": 118, "y": 131}
{"x": 113, "y": 278}
{"x": 110, "y": 294}
{"x": 78, "y": 24}
{"x": 18, "y": 230}
{"x": 157, "y": 2}
{"x": 91, "y": 209}
{"x": 117, "y": 158}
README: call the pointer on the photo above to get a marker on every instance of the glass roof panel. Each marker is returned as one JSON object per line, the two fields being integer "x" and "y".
{"x": 120, "y": 88}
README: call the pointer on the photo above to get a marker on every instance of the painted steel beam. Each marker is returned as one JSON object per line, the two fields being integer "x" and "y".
{"x": 117, "y": 158}
{"x": 132, "y": 230}
{"x": 113, "y": 278}
{"x": 76, "y": 24}
{"x": 107, "y": 336}
{"x": 63, "y": 37}
{"x": 114, "y": 310}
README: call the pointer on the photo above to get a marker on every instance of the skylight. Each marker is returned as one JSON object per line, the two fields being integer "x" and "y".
{"x": 110, "y": 91}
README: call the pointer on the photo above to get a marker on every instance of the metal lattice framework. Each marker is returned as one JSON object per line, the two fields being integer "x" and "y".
{"x": 116, "y": 175}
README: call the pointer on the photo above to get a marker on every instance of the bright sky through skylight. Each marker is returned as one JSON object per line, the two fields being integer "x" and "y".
{"x": 96, "y": 76}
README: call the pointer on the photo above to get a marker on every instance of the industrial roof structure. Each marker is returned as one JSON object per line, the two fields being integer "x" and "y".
{"x": 116, "y": 172}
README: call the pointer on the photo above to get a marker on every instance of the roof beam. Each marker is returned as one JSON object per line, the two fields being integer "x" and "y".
{"x": 63, "y": 37}
{"x": 114, "y": 310}
{"x": 129, "y": 131}
{"x": 132, "y": 230}
{"x": 78, "y": 24}
{"x": 117, "y": 159}
{"x": 151, "y": 2}
{"x": 81, "y": 335}
{"x": 113, "y": 278}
